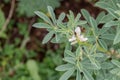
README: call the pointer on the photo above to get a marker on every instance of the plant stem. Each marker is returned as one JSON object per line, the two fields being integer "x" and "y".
{"x": 9, "y": 16}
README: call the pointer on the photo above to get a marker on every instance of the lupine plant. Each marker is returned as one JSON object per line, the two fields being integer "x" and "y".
{"x": 92, "y": 49}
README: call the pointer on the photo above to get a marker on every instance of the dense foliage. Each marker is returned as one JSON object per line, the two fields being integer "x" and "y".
{"x": 77, "y": 46}
{"x": 95, "y": 56}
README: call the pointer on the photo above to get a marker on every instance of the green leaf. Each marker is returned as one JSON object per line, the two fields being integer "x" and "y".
{"x": 2, "y": 19}
{"x": 92, "y": 57}
{"x": 70, "y": 60}
{"x": 108, "y": 36}
{"x": 78, "y": 51}
{"x": 87, "y": 75}
{"x": 61, "y": 17}
{"x": 111, "y": 23}
{"x": 86, "y": 50}
{"x": 102, "y": 4}
{"x": 67, "y": 47}
{"x": 106, "y": 65}
{"x": 93, "y": 49}
{"x": 48, "y": 37}
{"x": 78, "y": 75}
{"x": 57, "y": 37}
{"x": 41, "y": 25}
{"x": 67, "y": 74}
{"x": 100, "y": 17}
{"x": 93, "y": 24}
{"x": 3, "y": 35}
{"x": 64, "y": 67}
{"x": 115, "y": 71}
{"x": 117, "y": 63}
{"x": 81, "y": 22}
{"x": 117, "y": 12}
{"x": 106, "y": 18}
{"x": 77, "y": 18}
{"x": 69, "y": 53}
{"x": 110, "y": 6}
{"x": 52, "y": 15}
{"x": 112, "y": 12}
{"x": 117, "y": 37}
{"x": 98, "y": 55}
{"x": 86, "y": 15}
{"x": 90, "y": 66}
{"x": 31, "y": 64}
{"x": 33, "y": 69}
{"x": 102, "y": 44}
{"x": 43, "y": 16}
{"x": 103, "y": 30}
{"x": 95, "y": 63}
{"x": 71, "y": 15}
{"x": 71, "y": 19}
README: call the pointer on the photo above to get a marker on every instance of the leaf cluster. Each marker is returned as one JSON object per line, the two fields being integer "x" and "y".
{"x": 96, "y": 59}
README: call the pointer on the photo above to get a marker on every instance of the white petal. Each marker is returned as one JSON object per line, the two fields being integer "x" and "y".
{"x": 78, "y": 31}
{"x": 82, "y": 38}
{"x": 74, "y": 42}
{"x": 85, "y": 39}
{"x": 72, "y": 39}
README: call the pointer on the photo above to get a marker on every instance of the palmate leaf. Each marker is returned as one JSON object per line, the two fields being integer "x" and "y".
{"x": 95, "y": 63}
{"x": 52, "y": 25}
{"x": 74, "y": 21}
{"x": 91, "y": 57}
{"x": 109, "y": 5}
{"x": 28, "y": 7}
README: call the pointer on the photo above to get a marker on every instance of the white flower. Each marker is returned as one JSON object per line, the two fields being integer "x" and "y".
{"x": 77, "y": 36}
